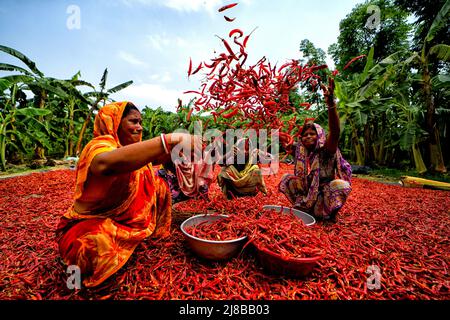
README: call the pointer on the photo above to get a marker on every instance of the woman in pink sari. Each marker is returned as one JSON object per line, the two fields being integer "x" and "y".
{"x": 321, "y": 181}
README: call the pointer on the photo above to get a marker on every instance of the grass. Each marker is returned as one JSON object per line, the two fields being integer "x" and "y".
{"x": 22, "y": 169}
{"x": 396, "y": 174}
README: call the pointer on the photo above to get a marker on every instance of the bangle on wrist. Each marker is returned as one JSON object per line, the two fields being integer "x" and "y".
{"x": 164, "y": 143}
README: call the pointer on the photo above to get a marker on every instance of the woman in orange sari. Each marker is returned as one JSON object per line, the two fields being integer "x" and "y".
{"x": 118, "y": 199}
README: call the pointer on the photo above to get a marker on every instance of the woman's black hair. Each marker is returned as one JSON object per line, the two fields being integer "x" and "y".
{"x": 130, "y": 106}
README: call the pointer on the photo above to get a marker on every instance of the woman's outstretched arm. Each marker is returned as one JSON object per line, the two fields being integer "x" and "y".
{"x": 334, "y": 125}
{"x": 134, "y": 156}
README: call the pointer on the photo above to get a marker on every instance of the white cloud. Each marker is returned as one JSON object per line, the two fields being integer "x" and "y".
{"x": 193, "y": 5}
{"x": 131, "y": 3}
{"x": 158, "y": 41}
{"x": 131, "y": 59}
{"x": 182, "y": 5}
{"x": 152, "y": 95}
{"x": 164, "y": 78}
{"x": 161, "y": 42}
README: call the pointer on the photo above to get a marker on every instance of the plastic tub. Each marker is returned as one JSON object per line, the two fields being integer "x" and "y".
{"x": 277, "y": 264}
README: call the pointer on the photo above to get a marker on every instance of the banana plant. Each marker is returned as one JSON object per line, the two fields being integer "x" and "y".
{"x": 351, "y": 106}
{"x": 363, "y": 101}
{"x": 411, "y": 134}
{"x": 10, "y": 134}
{"x": 99, "y": 96}
{"x": 422, "y": 60}
{"x": 34, "y": 81}
{"x": 68, "y": 106}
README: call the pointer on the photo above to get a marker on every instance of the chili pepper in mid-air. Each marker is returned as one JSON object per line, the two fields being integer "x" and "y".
{"x": 198, "y": 68}
{"x": 353, "y": 60}
{"x": 316, "y": 68}
{"x": 229, "y": 19}
{"x": 190, "y": 67}
{"x": 228, "y": 6}
{"x": 232, "y": 32}
{"x": 307, "y": 105}
{"x": 227, "y": 46}
{"x": 231, "y": 114}
{"x": 188, "y": 116}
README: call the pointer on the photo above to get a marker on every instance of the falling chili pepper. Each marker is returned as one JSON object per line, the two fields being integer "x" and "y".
{"x": 229, "y": 19}
{"x": 188, "y": 117}
{"x": 230, "y": 114}
{"x": 228, "y": 6}
{"x": 234, "y": 31}
{"x": 353, "y": 60}
{"x": 198, "y": 68}
{"x": 190, "y": 67}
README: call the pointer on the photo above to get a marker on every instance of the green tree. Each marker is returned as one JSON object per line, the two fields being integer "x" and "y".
{"x": 18, "y": 122}
{"x": 308, "y": 92}
{"x": 32, "y": 80}
{"x": 425, "y": 11}
{"x": 430, "y": 44}
{"x": 358, "y": 33}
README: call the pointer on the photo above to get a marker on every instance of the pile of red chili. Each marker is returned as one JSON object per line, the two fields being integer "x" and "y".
{"x": 402, "y": 232}
{"x": 219, "y": 230}
{"x": 286, "y": 235}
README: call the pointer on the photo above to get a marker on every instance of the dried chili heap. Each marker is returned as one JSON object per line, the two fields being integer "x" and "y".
{"x": 278, "y": 232}
{"x": 218, "y": 230}
{"x": 286, "y": 235}
{"x": 402, "y": 231}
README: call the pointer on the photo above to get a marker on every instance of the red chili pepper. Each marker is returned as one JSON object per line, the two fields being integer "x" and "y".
{"x": 219, "y": 230}
{"x": 229, "y": 19}
{"x": 198, "y": 68}
{"x": 307, "y": 105}
{"x": 227, "y": 46}
{"x": 238, "y": 31}
{"x": 228, "y": 6}
{"x": 316, "y": 68}
{"x": 188, "y": 117}
{"x": 190, "y": 67}
{"x": 353, "y": 60}
{"x": 231, "y": 114}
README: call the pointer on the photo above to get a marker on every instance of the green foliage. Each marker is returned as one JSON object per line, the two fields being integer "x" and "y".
{"x": 357, "y": 37}
{"x": 425, "y": 12}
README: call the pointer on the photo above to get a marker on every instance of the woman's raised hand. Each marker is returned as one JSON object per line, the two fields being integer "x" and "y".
{"x": 328, "y": 93}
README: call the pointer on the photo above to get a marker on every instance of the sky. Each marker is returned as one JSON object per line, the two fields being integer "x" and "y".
{"x": 151, "y": 41}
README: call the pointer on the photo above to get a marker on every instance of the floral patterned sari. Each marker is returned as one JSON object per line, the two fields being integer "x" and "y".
{"x": 321, "y": 181}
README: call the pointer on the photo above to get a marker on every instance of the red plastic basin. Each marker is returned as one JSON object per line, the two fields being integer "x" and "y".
{"x": 276, "y": 264}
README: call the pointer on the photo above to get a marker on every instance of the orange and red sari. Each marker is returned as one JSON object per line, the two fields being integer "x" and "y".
{"x": 115, "y": 216}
